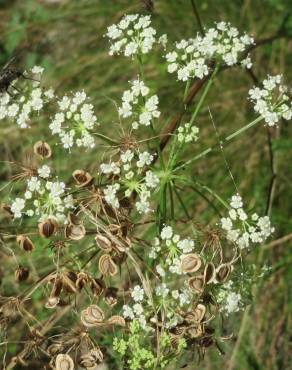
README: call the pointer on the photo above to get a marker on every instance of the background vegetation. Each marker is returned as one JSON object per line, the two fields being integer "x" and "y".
{"x": 66, "y": 37}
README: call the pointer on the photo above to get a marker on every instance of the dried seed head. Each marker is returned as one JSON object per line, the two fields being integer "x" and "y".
{"x": 117, "y": 320}
{"x": 190, "y": 263}
{"x": 90, "y": 360}
{"x": 25, "y": 243}
{"x": 92, "y": 316}
{"x": 69, "y": 279}
{"x": 110, "y": 296}
{"x": 103, "y": 242}
{"x": 82, "y": 178}
{"x": 197, "y": 314}
{"x": 48, "y": 228}
{"x": 42, "y": 149}
{"x": 196, "y": 331}
{"x": 209, "y": 273}
{"x": 97, "y": 286}
{"x": 179, "y": 330}
{"x": 82, "y": 280}
{"x": 52, "y": 302}
{"x": 107, "y": 266}
{"x": 21, "y": 273}
{"x": 64, "y": 362}
{"x": 7, "y": 209}
{"x": 55, "y": 348}
{"x": 197, "y": 284}
{"x": 223, "y": 272}
{"x": 75, "y": 232}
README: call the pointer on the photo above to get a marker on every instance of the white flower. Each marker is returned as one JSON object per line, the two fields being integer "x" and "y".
{"x": 145, "y": 158}
{"x": 138, "y": 293}
{"x": 110, "y": 195}
{"x": 236, "y": 201}
{"x": 128, "y": 312}
{"x": 17, "y": 206}
{"x": 37, "y": 70}
{"x": 44, "y": 171}
{"x": 151, "y": 180}
{"x": 166, "y": 233}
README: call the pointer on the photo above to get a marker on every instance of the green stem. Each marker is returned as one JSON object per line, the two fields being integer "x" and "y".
{"x": 225, "y": 140}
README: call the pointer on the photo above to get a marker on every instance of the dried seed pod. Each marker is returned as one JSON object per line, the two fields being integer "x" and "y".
{"x": 179, "y": 330}
{"x": 25, "y": 243}
{"x": 42, "y": 149}
{"x": 110, "y": 296}
{"x": 55, "y": 348}
{"x": 57, "y": 287}
{"x": 82, "y": 280}
{"x": 52, "y": 302}
{"x": 69, "y": 279}
{"x": 196, "y": 331}
{"x": 223, "y": 272}
{"x": 48, "y": 228}
{"x": 90, "y": 360}
{"x": 117, "y": 320}
{"x": 92, "y": 316}
{"x": 107, "y": 266}
{"x": 21, "y": 273}
{"x": 209, "y": 273}
{"x": 82, "y": 178}
{"x": 196, "y": 284}
{"x": 75, "y": 232}
{"x": 7, "y": 209}
{"x": 197, "y": 315}
{"x": 64, "y": 362}
{"x": 190, "y": 263}
{"x": 97, "y": 286}
{"x": 103, "y": 242}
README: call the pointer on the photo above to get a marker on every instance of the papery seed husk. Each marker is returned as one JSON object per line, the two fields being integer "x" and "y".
{"x": 117, "y": 320}
{"x": 73, "y": 219}
{"x": 82, "y": 178}
{"x": 209, "y": 273}
{"x": 107, "y": 266}
{"x": 196, "y": 284}
{"x": 42, "y": 149}
{"x": 197, "y": 315}
{"x": 21, "y": 273}
{"x": 103, "y": 242}
{"x": 92, "y": 316}
{"x": 48, "y": 228}
{"x": 25, "y": 243}
{"x": 55, "y": 348}
{"x": 97, "y": 354}
{"x": 223, "y": 272}
{"x": 97, "y": 286}
{"x": 7, "y": 209}
{"x": 110, "y": 296}
{"x": 69, "y": 279}
{"x": 196, "y": 331}
{"x": 82, "y": 279}
{"x": 52, "y": 302}
{"x": 75, "y": 232}
{"x": 64, "y": 362}
{"x": 191, "y": 263}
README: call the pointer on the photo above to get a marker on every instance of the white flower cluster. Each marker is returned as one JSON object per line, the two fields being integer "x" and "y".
{"x": 43, "y": 198}
{"x": 271, "y": 101}
{"x": 187, "y": 133}
{"x": 240, "y": 229}
{"x": 130, "y": 167}
{"x": 229, "y": 300}
{"x": 75, "y": 121}
{"x": 222, "y": 43}
{"x": 136, "y": 105}
{"x": 136, "y": 311}
{"x": 131, "y": 36}
{"x": 173, "y": 249}
{"x": 25, "y": 100}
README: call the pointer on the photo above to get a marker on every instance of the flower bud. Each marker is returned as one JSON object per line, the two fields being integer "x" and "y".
{"x": 64, "y": 362}
{"x": 107, "y": 266}
{"x": 25, "y": 243}
{"x": 42, "y": 149}
{"x": 190, "y": 263}
{"x": 82, "y": 178}
{"x": 48, "y": 228}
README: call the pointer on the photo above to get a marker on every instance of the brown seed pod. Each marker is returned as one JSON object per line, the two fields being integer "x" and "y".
{"x": 107, "y": 266}
{"x": 52, "y": 302}
{"x": 42, "y": 149}
{"x": 222, "y": 272}
{"x": 55, "y": 348}
{"x": 190, "y": 263}
{"x": 92, "y": 316}
{"x": 91, "y": 359}
{"x": 110, "y": 296}
{"x": 64, "y": 362}
{"x": 69, "y": 279}
{"x": 75, "y": 232}
{"x": 82, "y": 178}
{"x": 97, "y": 286}
{"x": 82, "y": 280}
{"x": 48, "y": 228}
{"x": 7, "y": 209}
{"x": 196, "y": 284}
{"x": 117, "y": 320}
{"x": 209, "y": 273}
{"x": 25, "y": 243}
{"x": 21, "y": 273}
{"x": 103, "y": 242}
{"x": 196, "y": 331}
{"x": 197, "y": 315}
{"x": 179, "y": 330}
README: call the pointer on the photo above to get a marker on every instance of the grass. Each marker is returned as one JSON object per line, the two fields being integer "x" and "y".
{"x": 67, "y": 38}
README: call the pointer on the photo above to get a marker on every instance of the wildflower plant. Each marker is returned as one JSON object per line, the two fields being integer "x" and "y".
{"x": 145, "y": 284}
